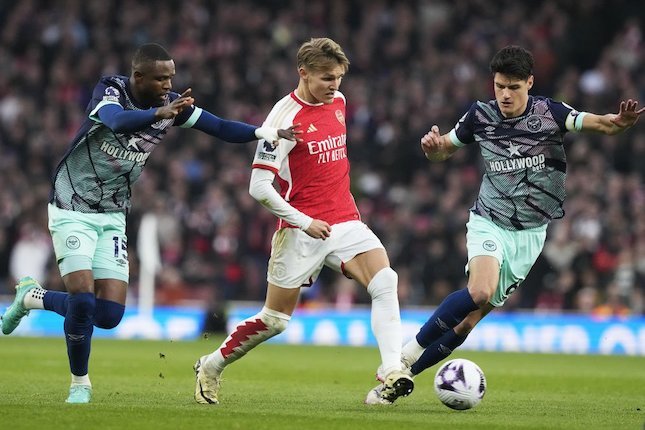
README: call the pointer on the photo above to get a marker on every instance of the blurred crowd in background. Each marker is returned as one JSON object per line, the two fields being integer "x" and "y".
{"x": 413, "y": 64}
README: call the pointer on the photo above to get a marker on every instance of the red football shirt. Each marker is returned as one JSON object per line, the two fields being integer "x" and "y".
{"x": 313, "y": 175}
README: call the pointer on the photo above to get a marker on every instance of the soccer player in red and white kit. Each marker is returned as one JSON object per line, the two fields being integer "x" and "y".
{"x": 319, "y": 224}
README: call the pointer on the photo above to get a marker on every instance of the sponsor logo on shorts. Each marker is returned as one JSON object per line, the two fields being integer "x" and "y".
{"x": 73, "y": 242}
{"x": 489, "y": 245}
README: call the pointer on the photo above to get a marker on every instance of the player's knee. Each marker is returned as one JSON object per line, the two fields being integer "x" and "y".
{"x": 480, "y": 296}
{"x": 389, "y": 277}
{"x": 82, "y": 305}
{"x": 108, "y": 314}
{"x": 384, "y": 282}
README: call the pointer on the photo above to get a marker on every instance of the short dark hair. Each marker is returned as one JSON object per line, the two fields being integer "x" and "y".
{"x": 149, "y": 52}
{"x": 513, "y": 61}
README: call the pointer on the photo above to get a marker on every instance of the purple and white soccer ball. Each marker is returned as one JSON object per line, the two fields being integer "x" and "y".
{"x": 460, "y": 384}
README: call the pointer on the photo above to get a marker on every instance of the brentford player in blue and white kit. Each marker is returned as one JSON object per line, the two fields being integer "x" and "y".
{"x": 521, "y": 141}
{"x": 125, "y": 121}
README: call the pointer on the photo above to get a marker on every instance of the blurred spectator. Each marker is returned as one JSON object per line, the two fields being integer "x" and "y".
{"x": 171, "y": 288}
{"x": 31, "y": 253}
{"x": 586, "y": 300}
{"x": 612, "y": 305}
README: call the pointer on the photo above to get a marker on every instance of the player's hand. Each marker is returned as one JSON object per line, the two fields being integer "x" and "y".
{"x": 186, "y": 94}
{"x": 273, "y": 135}
{"x": 175, "y": 107}
{"x": 627, "y": 114}
{"x": 431, "y": 143}
{"x": 290, "y": 133}
{"x": 319, "y": 229}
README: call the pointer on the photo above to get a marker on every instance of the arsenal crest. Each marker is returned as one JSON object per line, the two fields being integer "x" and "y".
{"x": 340, "y": 117}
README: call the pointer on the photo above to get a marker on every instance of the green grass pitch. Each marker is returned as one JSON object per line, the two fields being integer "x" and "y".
{"x": 149, "y": 385}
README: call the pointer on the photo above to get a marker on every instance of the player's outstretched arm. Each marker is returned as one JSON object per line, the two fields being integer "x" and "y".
{"x": 237, "y": 131}
{"x": 122, "y": 120}
{"x": 437, "y": 147}
{"x": 628, "y": 114}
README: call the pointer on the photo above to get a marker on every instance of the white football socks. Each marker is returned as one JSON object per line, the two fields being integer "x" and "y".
{"x": 412, "y": 351}
{"x": 247, "y": 335}
{"x": 386, "y": 318}
{"x": 34, "y": 299}
{"x": 81, "y": 380}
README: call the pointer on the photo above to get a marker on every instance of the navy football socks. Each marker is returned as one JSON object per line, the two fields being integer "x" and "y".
{"x": 78, "y": 331}
{"x": 454, "y": 308}
{"x": 56, "y": 301}
{"x": 437, "y": 351}
{"x": 108, "y": 314}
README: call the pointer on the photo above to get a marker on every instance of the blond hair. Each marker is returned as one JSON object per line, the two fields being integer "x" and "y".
{"x": 321, "y": 54}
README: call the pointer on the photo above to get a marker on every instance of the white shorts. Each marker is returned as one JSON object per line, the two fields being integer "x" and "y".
{"x": 297, "y": 259}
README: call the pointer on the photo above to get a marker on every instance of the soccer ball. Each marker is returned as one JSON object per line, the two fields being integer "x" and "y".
{"x": 460, "y": 384}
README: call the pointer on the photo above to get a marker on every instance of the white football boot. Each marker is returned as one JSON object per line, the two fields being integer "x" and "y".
{"x": 396, "y": 384}
{"x": 206, "y": 386}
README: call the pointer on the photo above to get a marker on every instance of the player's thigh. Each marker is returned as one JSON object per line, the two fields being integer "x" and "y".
{"x": 365, "y": 265}
{"x": 527, "y": 246}
{"x": 282, "y": 299}
{"x": 75, "y": 237}
{"x": 79, "y": 281}
{"x": 111, "y": 255}
{"x": 357, "y": 252}
{"x": 91, "y": 252}
{"x": 296, "y": 258}
{"x": 113, "y": 290}
{"x": 483, "y": 276}
{"x": 486, "y": 254}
